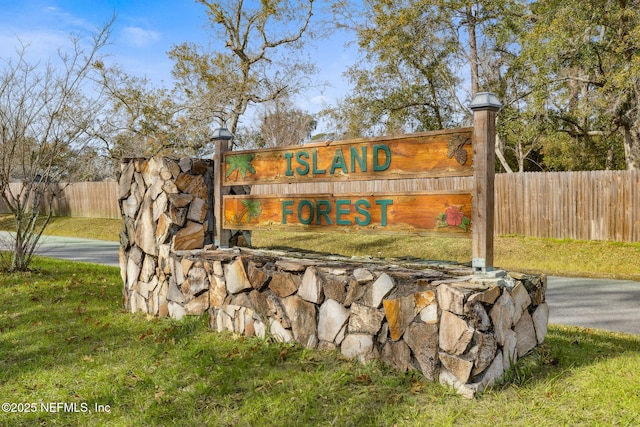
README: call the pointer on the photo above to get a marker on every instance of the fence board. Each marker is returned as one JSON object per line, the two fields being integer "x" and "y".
{"x": 81, "y": 199}
{"x": 445, "y": 214}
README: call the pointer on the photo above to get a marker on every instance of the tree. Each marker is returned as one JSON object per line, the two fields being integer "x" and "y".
{"x": 407, "y": 81}
{"x": 138, "y": 119}
{"x": 586, "y": 62}
{"x": 415, "y": 51}
{"x": 522, "y": 131}
{"x": 259, "y": 65}
{"x": 281, "y": 125}
{"x": 567, "y": 74}
{"x": 43, "y": 114}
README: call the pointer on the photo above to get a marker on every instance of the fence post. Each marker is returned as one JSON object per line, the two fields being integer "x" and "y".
{"x": 485, "y": 106}
{"x": 221, "y": 236}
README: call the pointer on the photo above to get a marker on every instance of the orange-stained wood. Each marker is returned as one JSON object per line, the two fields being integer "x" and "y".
{"x": 427, "y": 154}
{"x": 435, "y": 213}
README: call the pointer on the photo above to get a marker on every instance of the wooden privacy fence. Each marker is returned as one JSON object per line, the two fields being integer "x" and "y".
{"x": 594, "y": 205}
{"x": 80, "y": 199}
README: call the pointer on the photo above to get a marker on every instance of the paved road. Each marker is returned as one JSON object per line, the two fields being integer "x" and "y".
{"x": 95, "y": 251}
{"x": 612, "y": 305}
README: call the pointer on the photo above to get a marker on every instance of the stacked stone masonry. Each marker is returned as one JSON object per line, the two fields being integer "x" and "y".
{"x": 458, "y": 328}
{"x": 165, "y": 206}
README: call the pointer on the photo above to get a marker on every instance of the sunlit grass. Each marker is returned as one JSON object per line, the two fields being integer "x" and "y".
{"x": 515, "y": 253}
{"x": 64, "y": 338}
{"x": 86, "y": 228}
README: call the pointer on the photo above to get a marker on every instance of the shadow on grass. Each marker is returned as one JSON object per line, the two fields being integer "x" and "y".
{"x": 567, "y": 348}
{"x": 8, "y": 222}
{"x": 352, "y": 242}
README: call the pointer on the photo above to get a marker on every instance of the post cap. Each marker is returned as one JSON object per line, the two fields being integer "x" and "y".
{"x": 222, "y": 133}
{"x": 485, "y": 101}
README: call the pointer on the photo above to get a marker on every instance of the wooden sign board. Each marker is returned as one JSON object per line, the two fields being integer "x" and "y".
{"x": 420, "y": 155}
{"x": 433, "y": 213}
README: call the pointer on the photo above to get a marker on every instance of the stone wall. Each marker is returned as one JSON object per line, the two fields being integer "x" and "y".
{"x": 461, "y": 329}
{"x": 165, "y": 205}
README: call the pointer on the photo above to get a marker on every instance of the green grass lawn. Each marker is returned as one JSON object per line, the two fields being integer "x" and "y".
{"x": 65, "y": 339}
{"x": 87, "y": 228}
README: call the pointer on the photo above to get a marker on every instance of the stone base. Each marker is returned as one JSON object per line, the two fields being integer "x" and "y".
{"x": 458, "y": 328}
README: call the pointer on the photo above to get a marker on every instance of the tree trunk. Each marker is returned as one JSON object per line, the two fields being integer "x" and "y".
{"x": 500, "y": 154}
{"x": 610, "y": 157}
{"x": 473, "y": 51}
{"x": 632, "y": 148}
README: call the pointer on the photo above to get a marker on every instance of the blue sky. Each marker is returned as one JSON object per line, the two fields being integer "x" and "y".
{"x": 144, "y": 32}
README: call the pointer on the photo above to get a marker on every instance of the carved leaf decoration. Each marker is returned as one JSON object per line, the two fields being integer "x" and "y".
{"x": 454, "y": 144}
{"x": 253, "y": 207}
{"x": 250, "y": 209}
{"x": 240, "y": 164}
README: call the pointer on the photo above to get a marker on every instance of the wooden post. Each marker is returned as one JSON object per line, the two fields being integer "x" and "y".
{"x": 485, "y": 106}
{"x": 221, "y": 236}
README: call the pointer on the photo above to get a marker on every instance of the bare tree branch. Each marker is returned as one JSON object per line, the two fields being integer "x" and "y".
{"x": 43, "y": 115}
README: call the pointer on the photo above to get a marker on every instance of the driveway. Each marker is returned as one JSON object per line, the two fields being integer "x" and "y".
{"x": 613, "y": 305}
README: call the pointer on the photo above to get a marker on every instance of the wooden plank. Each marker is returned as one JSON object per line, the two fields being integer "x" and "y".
{"x": 603, "y": 192}
{"x": 500, "y": 220}
{"x": 504, "y": 218}
{"x": 536, "y": 183}
{"x": 591, "y": 202}
{"x": 375, "y": 186}
{"x": 551, "y": 212}
{"x": 635, "y": 203}
{"x": 435, "y": 213}
{"x": 521, "y": 199}
{"x": 604, "y": 203}
{"x": 580, "y": 206}
{"x": 565, "y": 227}
{"x": 617, "y": 201}
{"x": 625, "y": 217}
{"x": 427, "y": 154}
{"x": 628, "y": 217}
